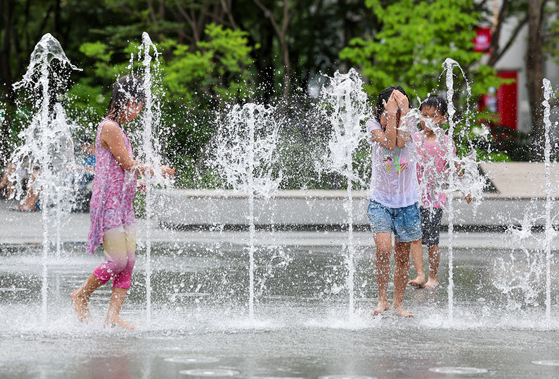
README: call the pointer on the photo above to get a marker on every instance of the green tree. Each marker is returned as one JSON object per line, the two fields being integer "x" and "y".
{"x": 22, "y": 24}
{"x": 196, "y": 84}
{"x": 219, "y": 67}
{"x": 415, "y": 38}
{"x": 539, "y": 17}
{"x": 202, "y": 82}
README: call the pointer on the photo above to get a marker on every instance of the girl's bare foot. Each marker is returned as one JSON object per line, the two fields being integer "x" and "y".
{"x": 399, "y": 311}
{"x": 382, "y": 306}
{"x": 417, "y": 282}
{"x": 432, "y": 283}
{"x": 120, "y": 323}
{"x": 81, "y": 301}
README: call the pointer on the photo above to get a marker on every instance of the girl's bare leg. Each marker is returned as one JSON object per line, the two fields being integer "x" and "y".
{"x": 120, "y": 245}
{"x": 417, "y": 256}
{"x": 434, "y": 259}
{"x": 401, "y": 274}
{"x": 113, "y": 318}
{"x": 80, "y": 297}
{"x": 383, "y": 242}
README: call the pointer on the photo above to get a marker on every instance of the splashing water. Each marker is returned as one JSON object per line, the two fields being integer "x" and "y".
{"x": 449, "y": 65}
{"x": 521, "y": 279}
{"x": 469, "y": 180}
{"x": 47, "y": 151}
{"x": 149, "y": 149}
{"x": 345, "y": 105}
{"x": 459, "y": 174}
{"x": 549, "y": 231}
{"x": 246, "y": 156}
{"x": 526, "y": 280}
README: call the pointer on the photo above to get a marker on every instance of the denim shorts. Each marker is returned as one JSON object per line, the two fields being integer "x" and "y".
{"x": 404, "y": 222}
{"x": 431, "y": 225}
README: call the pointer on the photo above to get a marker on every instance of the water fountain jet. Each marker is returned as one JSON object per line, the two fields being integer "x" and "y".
{"x": 470, "y": 181}
{"x": 47, "y": 140}
{"x": 345, "y": 106}
{"x": 549, "y": 231}
{"x": 150, "y": 147}
{"x": 246, "y": 156}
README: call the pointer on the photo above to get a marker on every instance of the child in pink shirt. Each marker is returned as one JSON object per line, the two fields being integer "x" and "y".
{"x": 432, "y": 171}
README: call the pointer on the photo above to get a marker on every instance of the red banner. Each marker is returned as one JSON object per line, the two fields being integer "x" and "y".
{"x": 482, "y": 41}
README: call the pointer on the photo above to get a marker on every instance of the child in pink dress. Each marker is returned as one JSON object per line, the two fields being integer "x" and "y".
{"x": 432, "y": 171}
{"x": 111, "y": 207}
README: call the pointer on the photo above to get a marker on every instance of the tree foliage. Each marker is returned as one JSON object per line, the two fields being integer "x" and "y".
{"x": 214, "y": 52}
{"x": 414, "y": 41}
{"x": 221, "y": 66}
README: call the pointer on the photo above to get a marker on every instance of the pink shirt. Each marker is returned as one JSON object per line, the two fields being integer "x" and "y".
{"x": 113, "y": 193}
{"x": 432, "y": 170}
{"x": 393, "y": 177}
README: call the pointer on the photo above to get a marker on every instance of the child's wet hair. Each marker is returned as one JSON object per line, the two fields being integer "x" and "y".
{"x": 437, "y": 102}
{"x": 130, "y": 87}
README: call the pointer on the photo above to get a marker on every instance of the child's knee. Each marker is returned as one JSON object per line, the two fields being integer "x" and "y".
{"x": 120, "y": 264}
{"x": 401, "y": 259}
{"x": 124, "y": 278}
{"x": 402, "y": 252}
{"x": 123, "y": 281}
{"x": 383, "y": 256}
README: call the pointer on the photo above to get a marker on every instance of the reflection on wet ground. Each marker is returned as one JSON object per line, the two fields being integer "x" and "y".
{"x": 200, "y": 327}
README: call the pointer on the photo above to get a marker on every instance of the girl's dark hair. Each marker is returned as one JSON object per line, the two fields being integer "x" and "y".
{"x": 125, "y": 89}
{"x": 385, "y": 95}
{"x": 437, "y": 102}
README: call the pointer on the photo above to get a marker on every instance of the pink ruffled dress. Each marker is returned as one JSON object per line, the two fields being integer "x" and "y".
{"x": 432, "y": 170}
{"x": 113, "y": 192}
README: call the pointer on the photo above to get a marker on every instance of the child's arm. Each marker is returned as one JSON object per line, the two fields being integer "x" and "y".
{"x": 457, "y": 166}
{"x": 111, "y": 139}
{"x": 387, "y": 138}
{"x": 403, "y": 136}
{"x": 460, "y": 174}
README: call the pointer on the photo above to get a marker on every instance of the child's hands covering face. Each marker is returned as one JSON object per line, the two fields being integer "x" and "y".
{"x": 391, "y": 106}
{"x": 401, "y": 100}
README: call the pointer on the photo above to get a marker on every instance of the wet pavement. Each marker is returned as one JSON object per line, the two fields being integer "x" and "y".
{"x": 284, "y": 352}
{"x": 198, "y": 323}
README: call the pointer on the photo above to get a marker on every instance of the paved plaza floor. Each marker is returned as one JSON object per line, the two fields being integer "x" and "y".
{"x": 494, "y": 323}
{"x": 27, "y": 228}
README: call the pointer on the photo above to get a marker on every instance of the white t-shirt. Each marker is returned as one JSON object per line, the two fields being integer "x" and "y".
{"x": 394, "y": 175}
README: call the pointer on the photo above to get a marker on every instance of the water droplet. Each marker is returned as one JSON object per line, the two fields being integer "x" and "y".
{"x": 458, "y": 370}
{"x": 209, "y": 372}
{"x": 192, "y": 359}
{"x": 546, "y": 363}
